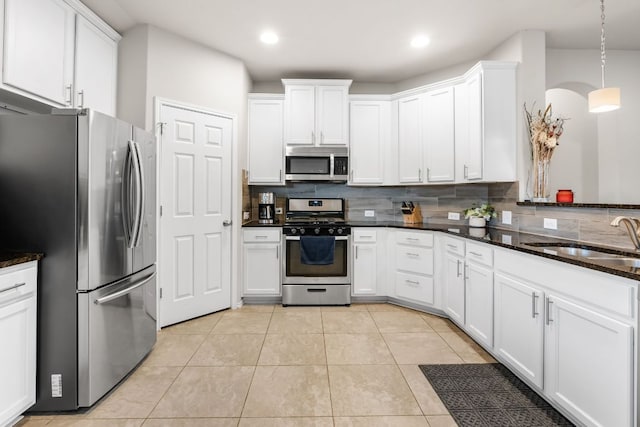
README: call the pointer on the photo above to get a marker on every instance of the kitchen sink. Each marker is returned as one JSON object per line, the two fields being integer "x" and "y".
{"x": 620, "y": 261}
{"x": 572, "y": 250}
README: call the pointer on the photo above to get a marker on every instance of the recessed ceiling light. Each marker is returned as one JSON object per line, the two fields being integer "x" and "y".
{"x": 269, "y": 37}
{"x": 420, "y": 41}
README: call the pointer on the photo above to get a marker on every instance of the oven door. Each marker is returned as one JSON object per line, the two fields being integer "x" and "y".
{"x": 297, "y": 273}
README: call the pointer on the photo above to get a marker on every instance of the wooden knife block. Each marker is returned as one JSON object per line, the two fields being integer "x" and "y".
{"x": 414, "y": 217}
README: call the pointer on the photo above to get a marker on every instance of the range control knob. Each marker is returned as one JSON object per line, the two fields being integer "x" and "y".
{"x": 331, "y": 231}
{"x": 317, "y": 231}
{"x": 340, "y": 230}
{"x": 302, "y": 231}
{"x": 294, "y": 231}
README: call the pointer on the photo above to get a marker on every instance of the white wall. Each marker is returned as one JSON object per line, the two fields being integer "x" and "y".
{"x": 618, "y": 146}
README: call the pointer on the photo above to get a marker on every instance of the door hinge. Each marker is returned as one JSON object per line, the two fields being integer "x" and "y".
{"x": 160, "y": 293}
{"x": 162, "y": 125}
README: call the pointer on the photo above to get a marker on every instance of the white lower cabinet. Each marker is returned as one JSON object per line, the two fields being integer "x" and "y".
{"x": 261, "y": 261}
{"x": 454, "y": 287}
{"x": 519, "y": 326}
{"x": 18, "y": 337}
{"x": 588, "y": 364}
{"x": 368, "y": 262}
{"x": 479, "y": 303}
{"x": 413, "y": 268}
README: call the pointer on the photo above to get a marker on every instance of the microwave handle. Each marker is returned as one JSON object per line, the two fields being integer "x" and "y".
{"x": 332, "y": 165}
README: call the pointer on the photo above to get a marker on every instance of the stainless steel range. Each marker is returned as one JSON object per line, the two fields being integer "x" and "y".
{"x": 317, "y": 253}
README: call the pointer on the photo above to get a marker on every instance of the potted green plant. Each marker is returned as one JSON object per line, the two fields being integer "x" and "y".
{"x": 479, "y": 215}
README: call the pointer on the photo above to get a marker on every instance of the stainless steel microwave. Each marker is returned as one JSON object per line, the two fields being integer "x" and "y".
{"x": 317, "y": 164}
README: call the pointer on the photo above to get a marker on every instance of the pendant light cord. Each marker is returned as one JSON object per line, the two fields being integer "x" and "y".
{"x": 603, "y": 56}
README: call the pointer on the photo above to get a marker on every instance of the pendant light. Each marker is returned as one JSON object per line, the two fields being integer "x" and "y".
{"x": 606, "y": 98}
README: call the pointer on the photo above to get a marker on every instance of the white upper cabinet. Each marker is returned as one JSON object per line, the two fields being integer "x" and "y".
{"x": 266, "y": 149}
{"x": 485, "y": 115}
{"x": 439, "y": 135}
{"x": 59, "y": 53}
{"x": 316, "y": 112}
{"x": 410, "y": 140}
{"x": 369, "y": 139}
{"x": 96, "y": 68}
{"x": 38, "y": 49}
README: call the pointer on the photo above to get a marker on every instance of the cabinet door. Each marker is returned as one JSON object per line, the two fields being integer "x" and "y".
{"x": 479, "y": 303}
{"x": 17, "y": 358}
{"x": 365, "y": 276}
{"x": 96, "y": 68}
{"x": 266, "y": 149}
{"x": 369, "y": 136}
{"x": 439, "y": 135}
{"x": 299, "y": 115}
{"x": 332, "y": 115}
{"x": 454, "y": 288}
{"x": 475, "y": 149}
{"x": 588, "y": 364}
{"x": 38, "y": 48}
{"x": 409, "y": 140}
{"x": 519, "y": 326}
{"x": 262, "y": 268}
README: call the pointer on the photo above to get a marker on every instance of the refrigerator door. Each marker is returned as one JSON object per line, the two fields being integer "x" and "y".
{"x": 117, "y": 329}
{"x": 144, "y": 252}
{"x": 104, "y": 178}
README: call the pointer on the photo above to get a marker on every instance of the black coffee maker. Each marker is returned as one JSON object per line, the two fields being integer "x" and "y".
{"x": 266, "y": 208}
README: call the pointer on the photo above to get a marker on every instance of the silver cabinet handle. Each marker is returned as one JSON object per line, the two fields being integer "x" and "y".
{"x": 534, "y": 304}
{"x": 321, "y": 137}
{"x": 351, "y": 175}
{"x": 466, "y": 272}
{"x": 454, "y": 247}
{"x": 125, "y": 291}
{"x": 428, "y": 173}
{"x": 277, "y": 252}
{"x": 68, "y": 98}
{"x": 257, "y": 237}
{"x": 413, "y": 254}
{"x": 475, "y": 253}
{"x": 466, "y": 171}
{"x": 412, "y": 282}
{"x": 313, "y": 137}
{"x": 419, "y": 174}
{"x": 227, "y": 223}
{"x": 412, "y": 239}
{"x": 356, "y": 251}
{"x": 549, "y": 319}
{"x": 280, "y": 176}
{"x": 16, "y": 286}
{"x": 458, "y": 268}
{"x": 81, "y": 98}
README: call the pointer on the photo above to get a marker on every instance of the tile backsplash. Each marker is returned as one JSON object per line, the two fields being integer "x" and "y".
{"x": 585, "y": 224}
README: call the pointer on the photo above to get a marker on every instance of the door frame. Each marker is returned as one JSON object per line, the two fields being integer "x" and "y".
{"x": 236, "y": 198}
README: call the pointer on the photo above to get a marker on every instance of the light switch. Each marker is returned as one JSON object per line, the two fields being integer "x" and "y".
{"x": 551, "y": 223}
{"x": 454, "y": 216}
{"x": 369, "y": 213}
{"x": 506, "y": 217}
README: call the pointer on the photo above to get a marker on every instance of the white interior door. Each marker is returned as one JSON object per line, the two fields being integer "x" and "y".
{"x": 195, "y": 248}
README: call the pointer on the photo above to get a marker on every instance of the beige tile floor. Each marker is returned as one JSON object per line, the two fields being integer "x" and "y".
{"x": 269, "y": 366}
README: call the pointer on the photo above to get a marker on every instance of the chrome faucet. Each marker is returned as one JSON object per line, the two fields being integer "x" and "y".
{"x": 633, "y": 227}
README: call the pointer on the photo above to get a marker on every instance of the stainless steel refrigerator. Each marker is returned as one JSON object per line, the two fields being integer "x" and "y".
{"x": 80, "y": 187}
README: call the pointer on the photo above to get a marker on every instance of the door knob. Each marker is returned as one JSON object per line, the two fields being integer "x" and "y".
{"x": 227, "y": 222}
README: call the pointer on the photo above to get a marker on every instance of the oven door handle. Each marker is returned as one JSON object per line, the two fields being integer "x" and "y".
{"x": 298, "y": 237}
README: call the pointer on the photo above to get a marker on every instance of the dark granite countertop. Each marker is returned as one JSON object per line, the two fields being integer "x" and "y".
{"x": 7, "y": 259}
{"x": 511, "y": 240}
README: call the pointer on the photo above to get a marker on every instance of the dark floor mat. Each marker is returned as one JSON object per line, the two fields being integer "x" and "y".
{"x": 489, "y": 395}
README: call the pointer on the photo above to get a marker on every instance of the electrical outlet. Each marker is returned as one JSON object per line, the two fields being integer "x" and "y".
{"x": 551, "y": 223}
{"x": 369, "y": 213}
{"x": 454, "y": 216}
{"x": 506, "y": 217}
{"x": 506, "y": 239}
{"x": 278, "y": 211}
{"x": 245, "y": 215}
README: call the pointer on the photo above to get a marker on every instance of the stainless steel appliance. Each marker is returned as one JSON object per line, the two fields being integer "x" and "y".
{"x": 309, "y": 283}
{"x": 80, "y": 187}
{"x": 317, "y": 164}
{"x": 266, "y": 208}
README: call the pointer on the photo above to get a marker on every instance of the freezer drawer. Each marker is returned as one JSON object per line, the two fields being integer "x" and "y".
{"x": 116, "y": 329}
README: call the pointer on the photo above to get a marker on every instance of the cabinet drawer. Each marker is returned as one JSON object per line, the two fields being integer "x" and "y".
{"x": 17, "y": 280}
{"x": 414, "y": 238}
{"x": 261, "y": 235}
{"x": 414, "y": 259}
{"x": 364, "y": 236}
{"x": 414, "y": 287}
{"x": 479, "y": 253}
{"x": 454, "y": 246}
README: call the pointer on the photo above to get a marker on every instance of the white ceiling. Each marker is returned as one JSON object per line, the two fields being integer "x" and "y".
{"x": 368, "y": 40}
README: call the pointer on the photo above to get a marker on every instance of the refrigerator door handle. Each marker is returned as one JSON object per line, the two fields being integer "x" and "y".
{"x": 140, "y": 196}
{"x": 125, "y": 291}
{"x": 125, "y": 202}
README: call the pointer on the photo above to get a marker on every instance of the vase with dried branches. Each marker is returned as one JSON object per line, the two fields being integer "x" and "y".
{"x": 544, "y": 132}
